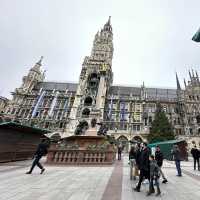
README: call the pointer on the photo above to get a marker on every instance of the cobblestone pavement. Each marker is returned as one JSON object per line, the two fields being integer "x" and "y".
{"x": 92, "y": 183}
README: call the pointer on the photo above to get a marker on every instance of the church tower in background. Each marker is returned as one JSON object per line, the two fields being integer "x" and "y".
{"x": 95, "y": 79}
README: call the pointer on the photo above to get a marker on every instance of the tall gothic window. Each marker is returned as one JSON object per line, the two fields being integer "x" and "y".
{"x": 86, "y": 112}
{"x": 88, "y": 101}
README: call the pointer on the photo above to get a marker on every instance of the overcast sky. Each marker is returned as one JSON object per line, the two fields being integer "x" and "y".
{"x": 152, "y": 39}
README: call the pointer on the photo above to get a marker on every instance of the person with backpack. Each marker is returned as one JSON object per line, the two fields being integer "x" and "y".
{"x": 42, "y": 150}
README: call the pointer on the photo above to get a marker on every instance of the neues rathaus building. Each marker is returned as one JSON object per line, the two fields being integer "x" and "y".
{"x": 127, "y": 111}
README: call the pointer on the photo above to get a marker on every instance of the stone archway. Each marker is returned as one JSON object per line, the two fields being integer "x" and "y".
{"x": 123, "y": 140}
{"x": 88, "y": 101}
{"x": 86, "y": 112}
{"x": 137, "y": 139}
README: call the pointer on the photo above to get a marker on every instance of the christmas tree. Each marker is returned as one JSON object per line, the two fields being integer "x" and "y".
{"x": 161, "y": 129}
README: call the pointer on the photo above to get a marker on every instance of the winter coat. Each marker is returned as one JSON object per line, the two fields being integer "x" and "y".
{"x": 119, "y": 149}
{"x": 195, "y": 153}
{"x": 137, "y": 157}
{"x": 42, "y": 150}
{"x": 177, "y": 154}
{"x": 132, "y": 155}
{"x": 144, "y": 160}
{"x": 154, "y": 169}
{"x": 159, "y": 158}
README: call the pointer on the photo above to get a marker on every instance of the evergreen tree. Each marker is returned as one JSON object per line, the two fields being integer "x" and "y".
{"x": 161, "y": 129}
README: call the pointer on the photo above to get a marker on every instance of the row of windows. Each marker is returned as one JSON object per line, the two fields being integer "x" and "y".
{"x": 192, "y": 97}
{"x": 123, "y": 126}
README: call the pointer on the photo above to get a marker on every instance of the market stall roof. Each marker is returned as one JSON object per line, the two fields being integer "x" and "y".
{"x": 167, "y": 142}
{"x": 23, "y": 128}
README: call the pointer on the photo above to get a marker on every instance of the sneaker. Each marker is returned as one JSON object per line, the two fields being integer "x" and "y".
{"x": 179, "y": 175}
{"x": 165, "y": 180}
{"x": 42, "y": 171}
{"x": 28, "y": 172}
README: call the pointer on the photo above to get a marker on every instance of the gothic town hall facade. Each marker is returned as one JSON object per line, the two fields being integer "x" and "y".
{"x": 127, "y": 111}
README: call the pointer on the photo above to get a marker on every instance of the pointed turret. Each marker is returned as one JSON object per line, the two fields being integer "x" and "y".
{"x": 107, "y": 26}
{"x": 190, "y": 75}
{"x": 40, "y": 61}
{"x": 37, "y": 65}
{"x": 178, "y": 83}
{"x": 185, "y": 83}
{"x": 197, "y": 76}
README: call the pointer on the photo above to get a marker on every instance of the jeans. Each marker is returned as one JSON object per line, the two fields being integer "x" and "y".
{"x": 151, "y": 187}
{"x": 161, "y": 172}
{"x": 178, "y": 167}
{"x": 36, "y": 162}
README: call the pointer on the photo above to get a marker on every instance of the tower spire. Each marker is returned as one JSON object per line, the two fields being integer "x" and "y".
{"x": 40, "y": 61}
{"x": 178, "y": 83}
{"x": 107, "y": 26}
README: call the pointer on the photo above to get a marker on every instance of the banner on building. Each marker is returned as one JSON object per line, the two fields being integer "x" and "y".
{"x": 38, "y": 102}
{"x": 53, "y": 104}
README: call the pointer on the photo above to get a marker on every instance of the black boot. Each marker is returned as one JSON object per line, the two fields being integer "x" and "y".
{"x": 136, "y": 189}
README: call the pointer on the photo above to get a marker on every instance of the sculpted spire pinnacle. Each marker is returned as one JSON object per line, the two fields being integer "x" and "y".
{"x": 107, "y": 26}
{"x": 40, "y": 61}
{"x": 177, "y": 82}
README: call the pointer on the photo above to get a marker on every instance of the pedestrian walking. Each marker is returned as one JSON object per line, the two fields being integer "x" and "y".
{"x": 42, "y": 150}
{"x": 177, "y": 158}
{"x": 143, "y": 166}
{"x": 195, "y": 154}
{"x": 132, "y": 161}
{"x": 119, "y": 152}
{"x": 154, "y": 176}
{"x": 159, "y": 159}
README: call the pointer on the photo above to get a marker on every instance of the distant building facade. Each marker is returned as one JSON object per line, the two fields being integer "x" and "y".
{"x": 3, "y": 104}
{"x": 127, "y": 111}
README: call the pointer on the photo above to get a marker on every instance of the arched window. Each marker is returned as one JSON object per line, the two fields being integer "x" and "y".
{"x": 198, "y": 119}
{"x": 93, "y": 80}
{"x": 137, "y": 139}
{"x": 88, "y": 101}
{"x": 86, "y": 112}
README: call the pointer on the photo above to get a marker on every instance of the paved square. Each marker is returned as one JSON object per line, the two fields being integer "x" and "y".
{"x": 92, "y": 183}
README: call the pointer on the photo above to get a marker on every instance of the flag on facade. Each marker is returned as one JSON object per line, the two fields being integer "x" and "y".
{"x": 110, "y": 108}
{"x": 39, "y": 101}
{"x": 53, "y": 104}
{"x": 122, "y": 111}
{"x": 65, "y": 107}
{"x": 196, "y": 37}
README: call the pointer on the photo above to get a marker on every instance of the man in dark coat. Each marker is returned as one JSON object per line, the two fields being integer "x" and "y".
{"x": 143, "y": 166}
{"x": 177, "y": 158}
{"x": 159, "y": 160}
{"x": 119, "y": 152}
{"x": 195, "y": 154}
{"x": 42, "y": 150}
